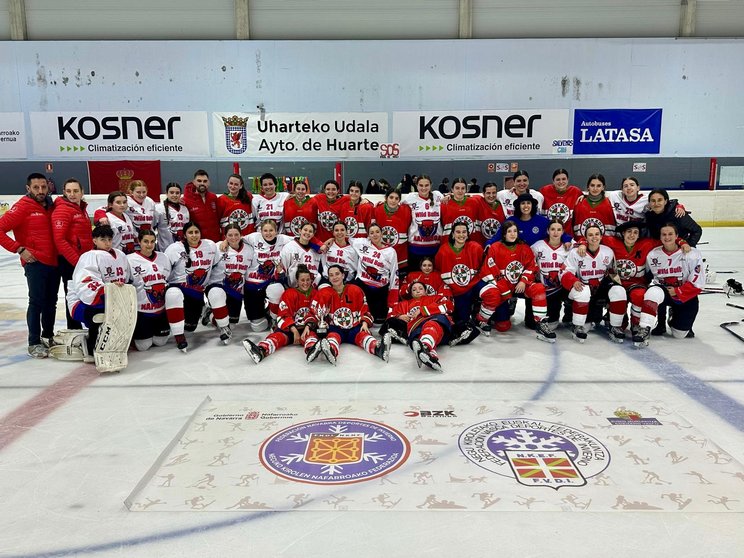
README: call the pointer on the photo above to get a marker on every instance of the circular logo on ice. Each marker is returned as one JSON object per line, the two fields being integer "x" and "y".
{"x": 335, "y": 451}
{"x": 535, "y": 452}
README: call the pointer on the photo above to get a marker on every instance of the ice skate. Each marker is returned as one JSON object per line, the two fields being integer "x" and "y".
{"x": 544, "y": 333}
{"x": 640, "y": 338}
{"x": 579, "y": 333}
{"x": 256, "y": 352}
{"x": 382, "y": 350}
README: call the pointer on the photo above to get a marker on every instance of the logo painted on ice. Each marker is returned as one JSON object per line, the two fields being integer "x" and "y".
{"x": 235, "y": 134}
{"x": 335, "y": 451}
{"x": 535, "y": 452}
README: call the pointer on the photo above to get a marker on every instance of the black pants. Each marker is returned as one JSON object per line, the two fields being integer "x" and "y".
{"x": 65, "y": 270}
{"x": 43, "y": 285}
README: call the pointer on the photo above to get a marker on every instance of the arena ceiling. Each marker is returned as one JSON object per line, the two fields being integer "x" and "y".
{"x": 55, "y": 20}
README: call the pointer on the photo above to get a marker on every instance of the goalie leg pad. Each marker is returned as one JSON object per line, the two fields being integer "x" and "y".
{"x": 116, "y": 331}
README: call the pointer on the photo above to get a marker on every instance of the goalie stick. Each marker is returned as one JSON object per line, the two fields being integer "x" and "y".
{"x": 728, "y": 327}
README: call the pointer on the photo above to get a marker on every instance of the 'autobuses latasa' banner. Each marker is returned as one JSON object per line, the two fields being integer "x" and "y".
{"x": 479, "y": 134}
{"x": 344, "y": 135}
{"x": 120, "y": 135}
{"x": 617, "y": 131}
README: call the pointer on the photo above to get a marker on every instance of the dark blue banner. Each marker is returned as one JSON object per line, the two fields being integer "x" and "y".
{"x": 617, "y": 131}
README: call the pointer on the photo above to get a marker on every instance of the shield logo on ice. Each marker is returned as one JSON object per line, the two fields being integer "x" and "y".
{"x": 547, "y": 468}
{"x": 335, "y": 449}
{"x": 235, "y": 134}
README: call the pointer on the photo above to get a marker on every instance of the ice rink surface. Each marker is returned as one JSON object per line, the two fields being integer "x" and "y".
{"x": 74, "y": 445}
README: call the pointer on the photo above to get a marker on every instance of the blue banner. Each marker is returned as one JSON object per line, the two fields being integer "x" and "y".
{"x": 617, "y": 131}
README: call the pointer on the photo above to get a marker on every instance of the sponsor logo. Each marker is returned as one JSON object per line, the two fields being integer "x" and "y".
{"x": 335, "y": 451}
{"x": 628, "y": 417}
{"x": 430, "y": 414}
{"x": 115, "y": 127}
{"x": 534, "y": 452}
{"x": 476, "y": 126}
{"x": 617, "y": 131}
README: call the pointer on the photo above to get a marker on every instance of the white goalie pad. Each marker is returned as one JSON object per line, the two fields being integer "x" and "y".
{"x": 117, "y": 328}
{"x": 69, "y": 344}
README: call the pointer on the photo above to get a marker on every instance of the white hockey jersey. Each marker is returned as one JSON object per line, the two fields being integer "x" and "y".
{"x": 292, "y": 255}
{"x": 346, "y": 257}
{"x": 125, "y": 236}
{"x": 425, "y": 229}
{"x": 232, "y": 268}
{"x": 589, "y": 269}
{"x": 549, "y": 261}
{"x": 627, "y": 211}
{"x": 196, "y": 276}
{"x": 169, "y": 224}
{"x": 507, "y": 198}
{"x": 263, "y": 269}
{"x": 94, "y": 269}
{"x": 150, "y": 278}
{"x": 684, "y": 272}
{"x": 141, "y": 214}
{"x": 377, "y": 267}
{"x": 270, "y": 208}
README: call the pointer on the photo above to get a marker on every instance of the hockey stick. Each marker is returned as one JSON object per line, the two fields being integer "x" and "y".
{"x": 735, "y": 306}
{"x": 727, "y": 327}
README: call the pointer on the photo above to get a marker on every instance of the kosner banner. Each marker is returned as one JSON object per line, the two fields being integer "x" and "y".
{"x": 479, "y": 134}
{"x": 119, "y": 135}
{"x": 342, "y": 135}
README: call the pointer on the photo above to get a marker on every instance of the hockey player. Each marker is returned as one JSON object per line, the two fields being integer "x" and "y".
{"x": 343, "y": 310}
{"x": 95, "y": 268}
{"x": 236, "y": 206}
{"x": 327, "y": 206}
{"x": 509, "y": 270}
{"x": 269, "y": 204}
{"x": 521, "y": 186}
{"x": 298, "y": 209}
{"x": 460, "y": 208}
{"x": 425, "y": 230}
{"x": 560, "y": 199}
{"x": 341, "y": 253}
{"x": 662, "y": 210}
{"x": 356, "y": 212}
{"x": 532, "y": 227}
{"x": 117, "y": 217}
{"x": 295, "y": 319}
{"x": 140, "y": 207}
{"x": 170, "y": 217}
{"x": 595, "y": 209}
{"x": 678, "y": 279}
{"x": 427, "y": 275}
{"x": 490, "y": 215}
{"x": 300, "y": 250}
{"x": 150, "y": 271}
{"x": 395, "y": 219}
{"x": 592, "y": 283}
{"x": 231, "y": 273}
{"x": 192, "y": 262}
{"x": 550, "y": 254}
{"x": 377, "y": 272}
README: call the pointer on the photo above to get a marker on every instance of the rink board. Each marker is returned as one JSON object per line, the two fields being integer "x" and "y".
{"x": 440, "y": 455}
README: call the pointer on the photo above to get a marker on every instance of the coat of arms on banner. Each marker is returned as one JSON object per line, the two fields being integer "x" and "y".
{"x": 235, "y": 134}
{"x": 545, "y": 468}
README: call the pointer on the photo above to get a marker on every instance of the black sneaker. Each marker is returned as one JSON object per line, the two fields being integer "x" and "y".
{"x": 544, "y": 333}
{"x": 382, "y": 350}
{"x": 640, "y": 337}
{"x": 256, "y": 352}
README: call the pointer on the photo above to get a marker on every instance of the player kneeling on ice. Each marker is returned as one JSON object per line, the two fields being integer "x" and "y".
{"x": 150, "y": 272}
{"x": 592, "y": 284}
{"x": 192, "y": 262}
{"x": 98, "y": 296}
{"x": 428, "y": 323}
{"x": 342, "y": 311}
{"x": 677, "y": 280}
{"x": 295, "y": 319}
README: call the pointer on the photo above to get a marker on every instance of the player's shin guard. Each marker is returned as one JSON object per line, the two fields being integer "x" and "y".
{"x": 580, "y": 306}
{"x": 174, "y": 310}
{"x": 275, "y": 341}
{"x": 218, "y": 301}
{"x": 366, "y": 341}
{"x": 650, "y": 308}
{"x": 431, "y": 334}
{"x": 618, "y": 305}
{"x": 536, "y": 292}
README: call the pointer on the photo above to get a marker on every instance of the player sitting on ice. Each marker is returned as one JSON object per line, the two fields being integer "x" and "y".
{"x": 294, "y": 322}
{"x": 343, "y": 309}
{"x": 98, "y": 296}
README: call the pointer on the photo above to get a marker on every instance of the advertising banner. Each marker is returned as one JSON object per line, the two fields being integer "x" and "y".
{"x": 107, "y": 135}
{"x": 479, "y": 134}
{"x": 343, "y": 135}
{"x": 617, "y": 131}
{"x": 12, "y": 135}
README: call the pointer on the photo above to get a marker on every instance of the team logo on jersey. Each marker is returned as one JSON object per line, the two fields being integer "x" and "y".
{"x": 302, "y": 315}
{"x": 373, "y": 273}
{"x": 343, "y": 318}
{"x": 296, "y": 224}
{"x": 626, "y": 269}
{"x": 327, "y": 219}
{"x": 235, "y": 134}
{"x": 427, "y": 228}
{"x": 535, "y": 230}
{"x": 196, "y": 278}
{"x": 240, "y": 217}
{"x": 535, "y": 452}
{"x": 559, "y": 211}
{"x": 156, "y": 293}
{"x": 335, "y": 451}
{"x": 352, "y": 226}
{"x": 389, "y": 236}
{"x": 266, "y": 269}
{"x": 234, "y": 281}
{"x": 467, "y": 221}
{"x": 513, "y": 271}
{"x": 461, "y": 275}
{"x": 592, "y": 222}
{"x": 489, "y": 227}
